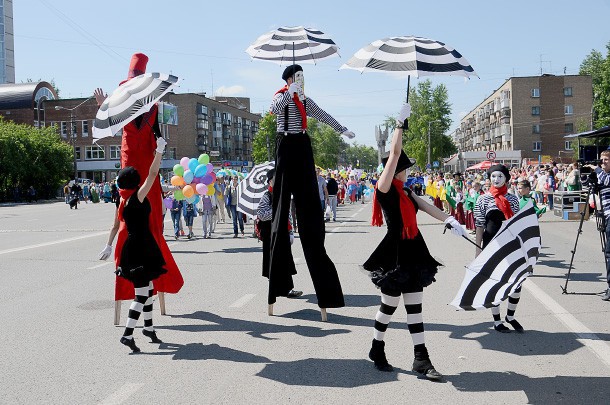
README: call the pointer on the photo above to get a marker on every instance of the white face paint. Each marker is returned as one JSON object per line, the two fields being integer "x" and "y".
{"x": 299, "y": 80}
{"x": 498, "y": 179}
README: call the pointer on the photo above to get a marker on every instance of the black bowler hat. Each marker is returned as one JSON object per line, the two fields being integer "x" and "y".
{"x": 290, "y": 71}
{"x": 498, "y": 168}
{"x": 404, "y": 162}
{"x": 128, "y": 178}
{"x": 270, "y": 175}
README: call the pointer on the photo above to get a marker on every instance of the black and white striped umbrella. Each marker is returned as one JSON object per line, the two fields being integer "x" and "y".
{"x": 290, "y": 45}
{"x": 412, "y": 56}
{"x": 503, "y": 265}
{"x": 252, "y": 188}
{"x": 130, "y": 100}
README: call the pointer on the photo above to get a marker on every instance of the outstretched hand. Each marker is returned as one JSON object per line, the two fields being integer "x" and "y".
{"x": 348, "y": 134}
{"x": 455, "y": 227}
{"x": 100, "y": 96}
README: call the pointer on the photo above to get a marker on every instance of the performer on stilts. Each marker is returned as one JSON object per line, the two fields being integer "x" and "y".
{"x": 490, "y": 210}
{"x": 295, "y": 174}
{"x": 140, "y": 260}
{"x": 402, "y": 264}
{"x": 137, "y": 150}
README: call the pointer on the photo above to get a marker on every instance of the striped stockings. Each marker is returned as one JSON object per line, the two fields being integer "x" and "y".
{"x": 143, "y": 302}
{"x": 413, "y": 304}
{"x": 513, "y": 300}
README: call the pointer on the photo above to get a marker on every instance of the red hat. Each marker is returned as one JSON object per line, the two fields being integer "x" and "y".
{"x": 137, "y": 66}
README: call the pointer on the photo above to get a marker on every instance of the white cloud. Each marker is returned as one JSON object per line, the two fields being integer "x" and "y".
{"x": 227, "y": 91}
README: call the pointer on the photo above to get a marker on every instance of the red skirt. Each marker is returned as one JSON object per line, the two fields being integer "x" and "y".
{"x": 470, "y": 221}
{"x": 459, "y": 213}
{"x": 438, "y": 203}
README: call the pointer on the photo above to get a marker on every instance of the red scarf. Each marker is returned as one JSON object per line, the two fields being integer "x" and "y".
{"x": 125, "y": 195}
{"x": 270, "y": 189}
{"x": 407, "y": 211}
{"x": 299, "y": 105}
{"x": 501, "y": 201}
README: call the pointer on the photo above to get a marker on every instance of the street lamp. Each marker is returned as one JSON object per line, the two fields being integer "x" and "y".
{"x": 73, "y": 130}
{"x": 429, "y": 125}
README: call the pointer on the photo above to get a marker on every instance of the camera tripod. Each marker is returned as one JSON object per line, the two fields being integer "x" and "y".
{"x": 601, "y": 228}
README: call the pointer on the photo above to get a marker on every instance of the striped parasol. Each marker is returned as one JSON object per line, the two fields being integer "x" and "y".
{"x": 507, "y": 260}
{"x": 130, "y": 100}
{"x": 410, "y": 56}
{"x": 252, "y": 188}
{"x": 289, "y": 45}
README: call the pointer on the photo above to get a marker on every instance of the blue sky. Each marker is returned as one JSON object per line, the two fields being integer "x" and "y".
{"x": 85, "y": 44}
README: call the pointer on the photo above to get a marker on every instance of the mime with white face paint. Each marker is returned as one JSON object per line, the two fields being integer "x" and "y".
{"x": 490, "y": 210}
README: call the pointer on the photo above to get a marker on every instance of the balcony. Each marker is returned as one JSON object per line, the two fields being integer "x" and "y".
{"x": 505, "y": 113}
{"x": 226, "y": 150}
{"x": 226, "y": 135}
{"x": 505, "y": 103}
{"x": 246, "y": 127}
{"x": 217, "y": 120}
{"x": 246, "y": 138}
{"x": 226, "y": 122}
{"x": 202, "y": 117}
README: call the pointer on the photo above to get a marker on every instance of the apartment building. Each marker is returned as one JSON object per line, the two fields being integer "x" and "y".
{"x": 527, "y": 118}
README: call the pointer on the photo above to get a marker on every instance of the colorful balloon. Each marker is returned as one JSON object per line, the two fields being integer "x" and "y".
{"x": 211, "y": 190}
{"x": 193, "y": 163}
{"x": 210, "y": 167}
{"x": 204, "y": 159}
{"x": 188, "y": 176}
{"x": 191, "y": 200}
{"x": 178, "y": 170}
{"x": 213, "y": 176}
{"x": 168, "y": 201}
{"x": 184, "y": 162}
{"x": 177, "y": 181}
{"x": 178, "y": 196}
{"x": 207, "y": 179}
{"x": 201, "y": 188}
{"x": 188, "y": 191}
{"x": 201, "y": 170}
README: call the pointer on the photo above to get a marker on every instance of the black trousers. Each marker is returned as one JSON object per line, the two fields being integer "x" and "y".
{"x": 295, "y": 174}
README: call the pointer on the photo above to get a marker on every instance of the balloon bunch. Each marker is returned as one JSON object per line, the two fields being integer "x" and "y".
{"x": 195, "y": 176}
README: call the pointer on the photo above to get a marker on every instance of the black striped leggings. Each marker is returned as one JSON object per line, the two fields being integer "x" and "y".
{"x": 142, "y": 303}
{"x": 413, "y": 303}
{"x": 513, "y": 300}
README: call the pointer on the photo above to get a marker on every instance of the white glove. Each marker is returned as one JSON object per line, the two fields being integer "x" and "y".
{"x": 293, "y": 88}
{"x": 455, "y": 227}
{"x": 405, "y": 112}
{"x": 291, "y": 238}
{"x": 105, "y": 254}
{"x": 161, "y": 145}
{"x": 348, "y": 134}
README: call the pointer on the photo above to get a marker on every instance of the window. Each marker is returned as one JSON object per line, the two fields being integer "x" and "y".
{"x": 64, "y": 128}
{"x": 94, "y": 152}
{"x": 115, "y": 152}
{"x": 218, "y": 127}
{"x": 85, "y": 128}
{"x": 537, "y": 146}
{"x": 568, "y": 128}
{"x": 535, "y": 93}
{"x": 568, "y": 145}
{"x": 202, "y": 109}
{"x": 567, "y": 92}
{"x": 77, "y": 152}
{"x": 569, "y": 109}
{"x": 536, "y": 110}
{"x": 536, "y": 129}
{"x": 171, "y": 153}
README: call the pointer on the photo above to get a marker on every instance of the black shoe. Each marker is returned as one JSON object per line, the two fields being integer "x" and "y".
{"x": 501, "y": 328}
{"x": 606, "y": 295}
{"x": 152, "y": 335}
{"x": 377, "y": 354}
{"x": 294, "y": 294}
{"x": 425, "y": 368}
{"x": 516, "y": 325}
{"x": 131, "y": 343}
{"x": 235, "y": 236}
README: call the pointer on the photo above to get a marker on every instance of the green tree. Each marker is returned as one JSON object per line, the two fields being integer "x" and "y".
{"x": 361, "y": 156}
{"x": 326, "y": 143}
{"x": 430, "y": 110}
{"x": 598, "y": 68}
{"x": 263, "y": 143}
{"x": 32, "y": 157}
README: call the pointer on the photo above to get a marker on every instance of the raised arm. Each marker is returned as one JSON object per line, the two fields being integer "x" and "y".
{"x": 153, "y": 171}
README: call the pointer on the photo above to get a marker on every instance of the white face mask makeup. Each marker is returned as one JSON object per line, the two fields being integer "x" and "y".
{"x": 498, "y": 179}
{"x": 299, "y": 80}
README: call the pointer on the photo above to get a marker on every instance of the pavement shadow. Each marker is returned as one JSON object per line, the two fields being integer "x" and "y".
{"x": 351, "y": 300}
{"x": 398, "y": 322}
{"x": 573, "y": 276}
{"x": 545, "y": 390}
{"x": 530, "y": 343}
{"x": 199, "y": 351}
{"x": 216, "y": 323}
{"x": 342, "y": 373}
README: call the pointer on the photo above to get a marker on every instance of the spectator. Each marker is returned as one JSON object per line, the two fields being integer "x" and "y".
{"x": 189, "y": 212}
{"x": 332, "y": 188}
{"x": 175, "y": 211}
{"x": 231, "y": 193}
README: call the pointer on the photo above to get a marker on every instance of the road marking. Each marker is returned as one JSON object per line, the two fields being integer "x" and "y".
{"x": 585, "y": 335}
{"x": 172, "y": 244}
{"x": 55, "y": 242}
{"x": 97, "y": 266}
{"x": 242, "y": 301}
{"x": 122, "y": 394}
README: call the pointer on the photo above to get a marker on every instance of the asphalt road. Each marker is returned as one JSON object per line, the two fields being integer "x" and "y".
{"x": 59, "y": 345}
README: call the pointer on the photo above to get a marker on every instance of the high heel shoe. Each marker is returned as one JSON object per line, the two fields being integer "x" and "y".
{"x": 152, "y": 335}
{"x": 131, "y": 343}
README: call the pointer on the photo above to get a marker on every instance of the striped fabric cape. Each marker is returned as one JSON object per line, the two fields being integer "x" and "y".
{"x": 503, "y": 265}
